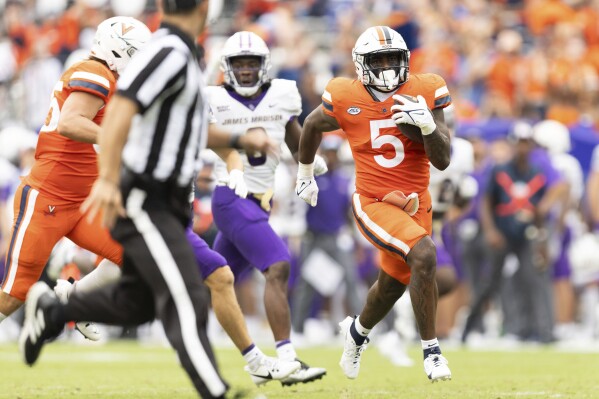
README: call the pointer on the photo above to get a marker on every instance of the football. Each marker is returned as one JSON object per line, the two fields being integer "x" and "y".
{"x": 410, "y": 131}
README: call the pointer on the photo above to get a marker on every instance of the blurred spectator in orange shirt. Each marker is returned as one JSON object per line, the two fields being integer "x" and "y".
{"x": 541, "y": 14}
{"x": 505, "y": 76}
{"x": 587, "y": 15}
{"x": 573, "y": 81}
{"x": 21, "y": 33}
{"x": 436, "y": 53}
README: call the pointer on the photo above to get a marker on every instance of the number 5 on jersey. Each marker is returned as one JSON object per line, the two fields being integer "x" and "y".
{"x": 54, "y": 111}
{"x": 378, "y": 140}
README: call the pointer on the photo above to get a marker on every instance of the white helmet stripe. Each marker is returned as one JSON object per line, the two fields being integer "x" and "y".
{"x": 381, "y": 35}
{"x": 245, "y": 40}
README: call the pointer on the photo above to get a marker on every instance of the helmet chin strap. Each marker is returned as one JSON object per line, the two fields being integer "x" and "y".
{"x": 246, "y": 91}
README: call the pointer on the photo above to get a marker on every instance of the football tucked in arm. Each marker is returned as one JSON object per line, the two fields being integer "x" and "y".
{"x": 410, "y": 131}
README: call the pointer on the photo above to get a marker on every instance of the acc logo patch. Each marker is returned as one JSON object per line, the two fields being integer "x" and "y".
{"x": 353, "y": 110}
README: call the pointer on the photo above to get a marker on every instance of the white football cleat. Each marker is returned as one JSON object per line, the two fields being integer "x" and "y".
{"x": 304, "y": 374}
{"x": 270, "y": 369}
{"x": 435, "y": 367}
{"x": 38, "y": 327}
{"x": 63, "y": 289}
{"x": 88, "y": 329}
{"x": 350, "y": 360}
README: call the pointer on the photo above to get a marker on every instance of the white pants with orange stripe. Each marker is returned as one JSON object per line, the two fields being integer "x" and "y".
{"x": 392, "y": 230}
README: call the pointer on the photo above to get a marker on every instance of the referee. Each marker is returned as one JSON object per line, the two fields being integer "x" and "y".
{"x": 154, "y": 128}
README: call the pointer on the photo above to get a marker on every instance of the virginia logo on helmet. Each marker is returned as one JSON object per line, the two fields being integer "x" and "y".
{"x": 126, "y": 28}
{"x": 117, "y": 39}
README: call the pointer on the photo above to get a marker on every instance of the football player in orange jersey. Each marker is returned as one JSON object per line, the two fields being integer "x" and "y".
{"x": 47, "y": 202}
{"x": 392, "y": 205}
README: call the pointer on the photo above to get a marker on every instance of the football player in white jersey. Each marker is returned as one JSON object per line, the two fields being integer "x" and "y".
{"x": 250, "y": 98}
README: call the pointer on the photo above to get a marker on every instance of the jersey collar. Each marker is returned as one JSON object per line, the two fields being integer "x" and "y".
{"x": 372, "y": 93}
{"x": 251, "y": 103}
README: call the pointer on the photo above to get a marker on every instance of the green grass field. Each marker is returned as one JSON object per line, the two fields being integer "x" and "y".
{"x": 127, "y": 370}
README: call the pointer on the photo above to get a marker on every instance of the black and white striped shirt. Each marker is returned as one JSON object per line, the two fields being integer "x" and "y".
{"x": 166, "y": 82}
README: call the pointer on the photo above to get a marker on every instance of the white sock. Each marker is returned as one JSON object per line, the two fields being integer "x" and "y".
{"x": 363, "y": 331}
{"x": 253, "y": 356}
{"x": 429, "y": 344}
{"x": 107, "y": 272}
{"x": 589, "y": 299}
{"x": 285, "y": 350}
{"x": 2, "y": 317}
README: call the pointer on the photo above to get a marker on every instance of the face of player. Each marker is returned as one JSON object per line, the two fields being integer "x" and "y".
{"x": 246, "y": 69}
{"x": 383, "y": 61}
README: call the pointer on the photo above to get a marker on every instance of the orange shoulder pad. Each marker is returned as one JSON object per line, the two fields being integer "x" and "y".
{"x": 432, "y": 87}
{"x": 336, "y": 91}
{"x": 91, "y": 77}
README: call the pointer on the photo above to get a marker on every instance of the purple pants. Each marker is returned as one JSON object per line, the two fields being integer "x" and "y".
{"x": 561, "y": 267}
{"x": 443, "y": 257}
{"x": 245, "y": 238}
{"x": 207, "y": 259}
{"x": 452, "y": 246}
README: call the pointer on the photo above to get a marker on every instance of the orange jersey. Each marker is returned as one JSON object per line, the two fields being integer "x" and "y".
{"x": 385, "y": 159}
{"x": 66, "y": 169}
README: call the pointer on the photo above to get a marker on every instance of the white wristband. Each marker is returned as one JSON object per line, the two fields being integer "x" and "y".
{"x": 305, "y": 170}
{"x": 426, "y": 130}
{"x": 236, "y": 172}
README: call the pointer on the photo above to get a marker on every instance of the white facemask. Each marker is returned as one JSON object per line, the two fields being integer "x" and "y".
{"x": 389, "y": 77}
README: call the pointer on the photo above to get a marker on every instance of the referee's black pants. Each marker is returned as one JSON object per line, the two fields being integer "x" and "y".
{"x": 160, "y": 280}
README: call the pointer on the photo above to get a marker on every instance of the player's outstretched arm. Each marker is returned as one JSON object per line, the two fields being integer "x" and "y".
{"x": 235, "y": 168}
{"x": 293, "y": 133}
{"x": 105, "y": 195}
{"x": 254, "y": 140}
{"x": 315, "y": 124}
{"x": 76, "y": 117}
{"x": 115, "y": 130}
{"x": 437, "y": 144}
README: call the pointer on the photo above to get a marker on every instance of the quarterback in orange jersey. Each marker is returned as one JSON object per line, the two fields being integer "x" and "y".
{"x": 47, "y": 202}
{"x": 392, "y": 206}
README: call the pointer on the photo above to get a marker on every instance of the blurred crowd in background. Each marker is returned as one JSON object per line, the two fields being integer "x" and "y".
{"x": 505, "y": 61}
